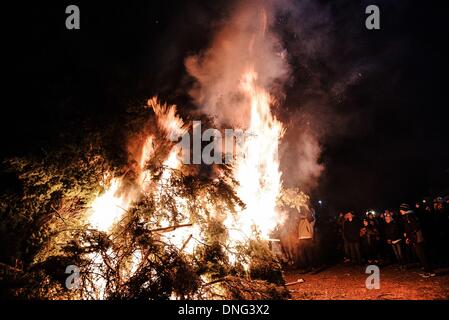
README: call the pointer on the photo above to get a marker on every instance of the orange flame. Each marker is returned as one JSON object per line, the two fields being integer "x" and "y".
{"x": 257, "y": 171}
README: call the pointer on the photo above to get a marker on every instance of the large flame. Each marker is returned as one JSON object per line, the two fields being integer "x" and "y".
{"x": 257, "y": 167}
{"x": 111, "y": 205}
{"x": 108, "y": 207}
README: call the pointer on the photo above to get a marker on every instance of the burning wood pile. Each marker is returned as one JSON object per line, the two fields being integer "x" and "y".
{"x": 160, "y": 230}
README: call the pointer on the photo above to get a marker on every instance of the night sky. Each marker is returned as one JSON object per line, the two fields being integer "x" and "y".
{"x": 384, "y": 135}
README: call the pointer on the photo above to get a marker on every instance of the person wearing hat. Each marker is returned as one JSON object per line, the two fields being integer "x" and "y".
{"x": 413, "y": 235}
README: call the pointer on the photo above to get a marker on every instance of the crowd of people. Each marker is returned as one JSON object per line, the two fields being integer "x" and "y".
{"x": 407, "y": 236}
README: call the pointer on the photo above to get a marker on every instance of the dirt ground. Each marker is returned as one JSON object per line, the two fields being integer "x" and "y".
{"x": 343, "y": 282}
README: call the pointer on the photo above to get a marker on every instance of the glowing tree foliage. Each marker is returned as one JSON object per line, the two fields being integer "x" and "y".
{"x": 168, "y": 240}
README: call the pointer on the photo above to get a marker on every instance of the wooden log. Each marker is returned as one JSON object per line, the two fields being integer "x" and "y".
{"x": 294, "y": 282}
{"x": 171, "y": 228}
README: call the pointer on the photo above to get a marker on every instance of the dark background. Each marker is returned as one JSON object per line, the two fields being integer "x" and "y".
{"x": 391, "y": 147}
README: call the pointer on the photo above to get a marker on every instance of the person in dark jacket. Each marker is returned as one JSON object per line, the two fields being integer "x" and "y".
{"x": 413, "y": 235}
{"x": 341, "y": 220}
{"x": 351, "y": 231}
{"x": 441, "y": 232}
{"x": 370, "y": 237}
{"x": 393, "y": 238}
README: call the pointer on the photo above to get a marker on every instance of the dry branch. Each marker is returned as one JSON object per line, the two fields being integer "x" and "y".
{"x": 171, "y": 228}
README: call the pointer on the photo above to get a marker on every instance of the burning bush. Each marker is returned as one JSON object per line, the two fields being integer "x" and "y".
{"x": 159, "y": 230}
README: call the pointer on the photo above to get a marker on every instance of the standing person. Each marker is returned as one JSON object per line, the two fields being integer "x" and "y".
{"x": 413, "y": 235}
{"x": 364, "y": 240}
{"x": 289, "y": 239}
{"x": 306, "y": 227}
{"x": 440, "y": 232}
{"x": 427, "y": 222}
{"x": 382, "y": 248}
{"x": 351, "y": 231}
{"x": 370, "y": 237}
{"x": 341, "y": 220}
{"x": 394, "y": 239}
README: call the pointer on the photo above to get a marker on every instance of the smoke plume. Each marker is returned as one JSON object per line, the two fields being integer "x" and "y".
{"x": 244, "y": 41}
{"x": 291, "y": 45}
